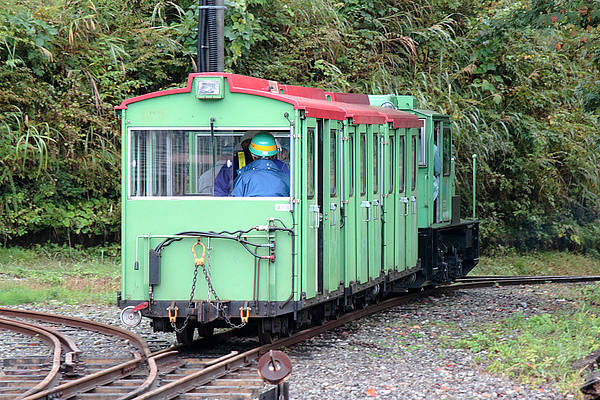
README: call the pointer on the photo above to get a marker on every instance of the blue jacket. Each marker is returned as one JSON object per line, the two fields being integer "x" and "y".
{"x": 261, "y": 178}
{"x": 224, "y": 179}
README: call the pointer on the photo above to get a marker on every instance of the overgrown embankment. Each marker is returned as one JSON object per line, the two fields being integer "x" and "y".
{"x": 520, "y": 80}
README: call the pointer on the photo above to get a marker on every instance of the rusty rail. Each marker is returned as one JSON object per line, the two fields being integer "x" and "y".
{"x": 487, "y": 281}
{"x": 47, "y": 337}
{"x": 233, "y": 363}
{"x": 86, "y": 383}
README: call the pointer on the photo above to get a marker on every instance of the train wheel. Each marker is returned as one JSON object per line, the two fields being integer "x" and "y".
{"x": 286, "y": 328}
{"x": 186, "y": 336}
{"x": 264, "y": 336}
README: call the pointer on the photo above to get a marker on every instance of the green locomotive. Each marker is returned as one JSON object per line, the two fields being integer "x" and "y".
{"x": 362, "y": 220}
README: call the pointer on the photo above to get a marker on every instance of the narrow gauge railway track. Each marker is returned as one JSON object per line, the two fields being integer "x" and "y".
{"x": 502, "y": 280}
{"x": 192, "y": 383}
{"x": 166, "y": 375}
{"x": 13, "y": 385}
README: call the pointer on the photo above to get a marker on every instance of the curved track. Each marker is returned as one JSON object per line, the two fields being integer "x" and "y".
{"x": 89, "y": 382}
{"x": 167, "y": 374}
{"x": 196, "y": 380}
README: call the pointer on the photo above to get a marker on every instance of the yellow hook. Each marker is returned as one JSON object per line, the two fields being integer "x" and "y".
{"x": 246, "y": 317}
{"x": 199, "y": 261}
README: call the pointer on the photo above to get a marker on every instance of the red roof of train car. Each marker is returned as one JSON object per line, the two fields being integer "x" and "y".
{"x": 313, "y": 101}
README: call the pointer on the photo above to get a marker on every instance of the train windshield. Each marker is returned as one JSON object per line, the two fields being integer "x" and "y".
{"x": 172, "y": 163}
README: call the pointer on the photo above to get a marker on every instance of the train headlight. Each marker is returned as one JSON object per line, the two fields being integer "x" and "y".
{"x": 209, "y": 88}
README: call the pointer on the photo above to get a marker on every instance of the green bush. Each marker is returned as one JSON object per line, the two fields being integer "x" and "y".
{"x": 519, "y": 79}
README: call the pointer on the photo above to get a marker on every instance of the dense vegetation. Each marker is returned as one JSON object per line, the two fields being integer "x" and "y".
{"x": 520, "y": 79}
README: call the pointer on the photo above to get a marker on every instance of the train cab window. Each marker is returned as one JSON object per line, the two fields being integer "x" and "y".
{"x": 218, "y": 167}
{"x": 363, "y": 164}
{"x": 351, "y": 165}
{"x": 310, "y": 161}
{"x": 375, "y": 164}
{"x": 413, "y": 163}
{"x": 159, "y": 163}
{"x": 170, "y": 163}
{"x": 401, "y": 158}
{"x": 332, "y": 162}
{"x": 447, "y": 150}
{"x": 422, "y": 146}
{"x": 391, "y": 164}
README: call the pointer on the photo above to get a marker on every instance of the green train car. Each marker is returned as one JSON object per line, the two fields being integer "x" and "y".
{"x": 361, "y": 220}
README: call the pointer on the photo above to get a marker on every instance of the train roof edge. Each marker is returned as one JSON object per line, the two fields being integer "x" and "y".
{"x": 315, "y": 102}
{"x": 402, "y": 102}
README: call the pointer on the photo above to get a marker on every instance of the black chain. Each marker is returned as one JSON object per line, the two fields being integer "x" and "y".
{"x": 219, "y": 306}
{"x": 187, "y": 318}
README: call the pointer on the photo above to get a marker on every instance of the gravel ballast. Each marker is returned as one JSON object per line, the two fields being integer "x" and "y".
{"x": 396, "y": 354}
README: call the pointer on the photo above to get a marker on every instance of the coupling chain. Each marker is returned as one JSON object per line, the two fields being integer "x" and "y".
{"x": 218, "y": 306}
{"x": 187, "y": 317}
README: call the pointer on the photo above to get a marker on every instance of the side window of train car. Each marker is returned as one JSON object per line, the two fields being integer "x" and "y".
{"x": 333, "y": 162}
{"x": 392, "y": 163}
{"x": 422, "y": 146}
{"x": 401, "y": 164}
{"x": 159, "y": 163}
{"x": 363, "y": 164}
{"x": 447, "y": 151}
{"x": 310, "y": 161}
{"x": 375, "y": 164}
{"x": 351, "y": 164}
{"x": 413, "y": 152}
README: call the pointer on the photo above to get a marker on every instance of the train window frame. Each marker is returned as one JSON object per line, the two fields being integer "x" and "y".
{"x": 422, "y": 144}
{"x": 351, "y": 164}
{"x": 310, "y": 162}
{"x": 362, "y": 144}
{"x": 333, "y": 159}
{"x": 414, "y": 162}
{"x": 375, "y": 163}
{"x": 447, "y": 149}
{"x": 191, "y": 132}
{"x": 401, "y": 165}
{"x": 392, "y": 162}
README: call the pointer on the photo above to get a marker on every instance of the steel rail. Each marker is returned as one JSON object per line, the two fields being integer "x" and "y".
{"x": 103, "y": 377}
{"x": 72, "y": 356}
{"x": 227, "y": 364}
{"x": 99, "y": 327}
{"x": 47, "y": 337}
{"x": 206, "y": 375}
{"x": 69, "y": 390}
{"x": 487, "y": 281}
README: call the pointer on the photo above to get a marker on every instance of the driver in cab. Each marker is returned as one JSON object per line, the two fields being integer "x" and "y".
{"x": 262, "y": 177}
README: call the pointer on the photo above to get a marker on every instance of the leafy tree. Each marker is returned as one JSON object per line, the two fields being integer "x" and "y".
{"x": 520, "y": 80}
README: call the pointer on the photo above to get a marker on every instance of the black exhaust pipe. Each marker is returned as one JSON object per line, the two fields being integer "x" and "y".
{"x": 211, "y": 40}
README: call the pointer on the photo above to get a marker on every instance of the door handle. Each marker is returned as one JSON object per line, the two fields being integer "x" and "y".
{"x": 406, "y": 205}
{"x": 367, "y": 205}
{"x": 413, "y": 199}
{"x": 333, "y": 208}
{"x": 315, "y": 209}
{"x": 376, "y": 205}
